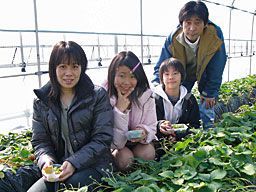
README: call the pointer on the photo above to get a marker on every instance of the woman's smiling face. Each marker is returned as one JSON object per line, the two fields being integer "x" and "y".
{"x": 68, "y": 75}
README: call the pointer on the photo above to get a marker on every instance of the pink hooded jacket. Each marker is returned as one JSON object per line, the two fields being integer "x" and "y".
{"x": 138, "y": 116}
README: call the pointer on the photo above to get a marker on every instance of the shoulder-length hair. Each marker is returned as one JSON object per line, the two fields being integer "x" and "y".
{"x": 130, "y": 60}
{"x": 65, "y": 52}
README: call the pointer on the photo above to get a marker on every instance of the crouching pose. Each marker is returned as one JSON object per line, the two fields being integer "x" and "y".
{"x": 134, "y": 110}
{"x": 72, "y": 122}
{"x": 174, "y": 105}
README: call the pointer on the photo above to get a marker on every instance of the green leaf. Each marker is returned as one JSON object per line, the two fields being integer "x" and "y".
{"x": 177, "y": 163}
{"x": 249, "y": 169}
{"x": 214, "y": 186}
{"x": 135, "y": 175}
{"x": 182, "y": 145}
{"x": 192, "y": 161}
{"x": 196, "y": 185}
{"x": 83, "y": 189}
{"x": 179, "y": 181}
{"x": 120, "y": 190}
{"x": 186, "y": 189}
{"x": 24, "y": 153}
{"x": 218, "y": 174}
{"x": 148, "y": 177}
{"x": 220, "y": 134}
{"x": 189, "y": 175}
{"x": 204, "y": 177}
{"x": 246, "y": 152}
{"x": 143, "y": 189}
{"x": 167, "y": 174}
{"x": 201, "y": 154}
{"x": 216, "y": 161}
{"x": 1, "y": 175}
{"x": 154, "y": 187}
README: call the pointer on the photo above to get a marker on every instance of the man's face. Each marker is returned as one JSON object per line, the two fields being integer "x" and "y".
{"x": 193, "y": 28}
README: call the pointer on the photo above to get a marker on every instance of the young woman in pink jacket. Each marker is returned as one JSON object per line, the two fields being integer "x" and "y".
{"x": 134, "y": 109}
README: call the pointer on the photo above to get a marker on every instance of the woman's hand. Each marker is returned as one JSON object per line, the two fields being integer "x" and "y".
{"x": 67, "y": 170}
{"x": 123, "y": 102}
{"x": 166, "y": 129}
{"x": 47, "y": 163}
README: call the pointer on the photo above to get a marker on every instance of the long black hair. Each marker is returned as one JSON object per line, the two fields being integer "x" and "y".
{"x": 129, "y": 59}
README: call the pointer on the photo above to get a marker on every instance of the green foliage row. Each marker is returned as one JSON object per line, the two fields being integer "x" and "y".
{"x": 238, "y": 87}
{"x": 220, "y": 159}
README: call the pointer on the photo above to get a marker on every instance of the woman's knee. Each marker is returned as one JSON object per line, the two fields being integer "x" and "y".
{"x": 146, "y": 152}
{"x": 123, "y": 158}
{"x": 42, "y": 186}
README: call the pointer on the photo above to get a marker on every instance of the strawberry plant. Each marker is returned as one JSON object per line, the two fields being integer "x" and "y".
{"x": 220, "y": 159}
{"x": 237, "y": 87}
{"x": 15, "y": 151}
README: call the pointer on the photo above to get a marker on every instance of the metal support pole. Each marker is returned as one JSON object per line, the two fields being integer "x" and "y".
{"x": 141, "y": 32}
{"x": 116, "y": 44}
{"x": 251, "y": 54}
{"x": 98, "y": 41}
{"x": 37, "y": 46}
{"x": 21, "y": 49}
{"x": 125, "y": 43}
{"x": 99, "y": 57}
{"x": 229, "y": 36}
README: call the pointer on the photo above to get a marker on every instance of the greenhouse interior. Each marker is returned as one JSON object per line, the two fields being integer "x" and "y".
{"x": 220, "y": 159}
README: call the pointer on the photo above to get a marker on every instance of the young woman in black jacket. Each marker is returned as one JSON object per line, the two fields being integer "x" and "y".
{"x": 72, "y": 123}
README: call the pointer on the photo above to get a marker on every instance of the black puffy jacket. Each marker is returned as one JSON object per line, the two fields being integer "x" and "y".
{"x": 90, "y": 123}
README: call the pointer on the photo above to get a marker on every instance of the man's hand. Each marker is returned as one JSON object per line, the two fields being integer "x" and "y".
{"x": 209, "y": 102}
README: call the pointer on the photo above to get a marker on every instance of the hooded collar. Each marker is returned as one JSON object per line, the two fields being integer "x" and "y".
{"x": 160, "y": 91}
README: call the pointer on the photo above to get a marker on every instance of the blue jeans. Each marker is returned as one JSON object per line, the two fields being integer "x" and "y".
{"x": 207, "y": 116}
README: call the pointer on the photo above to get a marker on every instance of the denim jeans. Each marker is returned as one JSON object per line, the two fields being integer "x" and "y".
{"x": 207, "y": 116}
